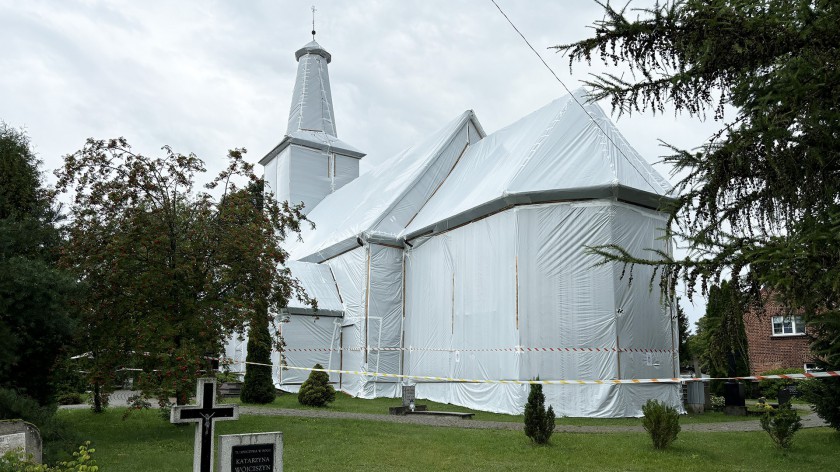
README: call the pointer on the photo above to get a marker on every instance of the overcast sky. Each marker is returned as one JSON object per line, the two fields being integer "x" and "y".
{"x": 206, "y": 76}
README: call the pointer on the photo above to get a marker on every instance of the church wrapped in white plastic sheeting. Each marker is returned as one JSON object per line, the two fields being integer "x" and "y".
{"x": 465, "y": 256}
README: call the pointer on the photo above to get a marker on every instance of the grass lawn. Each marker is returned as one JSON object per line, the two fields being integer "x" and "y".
{"x": 344, "y": 402}
{"x": 144, "y": 442}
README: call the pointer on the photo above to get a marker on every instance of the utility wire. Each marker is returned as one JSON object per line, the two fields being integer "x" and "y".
{"x": 591, "y": 118}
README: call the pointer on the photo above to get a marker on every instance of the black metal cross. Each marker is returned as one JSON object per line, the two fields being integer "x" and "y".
{"x": 204, "y": 414}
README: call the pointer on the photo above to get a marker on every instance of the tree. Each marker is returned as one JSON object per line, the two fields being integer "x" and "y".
{"x": 759, "y": 200}
{"x": 171, "y": 272}
{"x": 35, "y": 309}
{"x": 316, "y": 389}
{"x": 539, "y": 422}
{"x": 258, "y": 386}
{"x": 686, "y": 356}
{"x": 722, "y": 329}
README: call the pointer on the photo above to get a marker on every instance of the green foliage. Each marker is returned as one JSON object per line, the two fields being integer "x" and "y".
{"x": 70, "y": 398}
{"x": 824, "y": 397}
{"x": 824, "y": 394}
{"x": 686, "y": 356}
{"x": 258, "y": 386}
{"x": 316, "y": 390}
{"x": 539, "y": 422}
{"x": 228, "y": 377}
{"x": 54, "y": 432}
{"x": 759, "y": 199}
{"x": 662, "y": 422}
{"x": 781, "y": 425}
{"x": 82, "y": 462}
{"x": 721, "y": 334}
{"x": 35, "y": 321}
{"x": 769, "y": 388}
{"x": 172, "y": 271}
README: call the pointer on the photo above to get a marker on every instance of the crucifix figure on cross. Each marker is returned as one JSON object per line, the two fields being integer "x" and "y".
{"x": 204, "y": 415}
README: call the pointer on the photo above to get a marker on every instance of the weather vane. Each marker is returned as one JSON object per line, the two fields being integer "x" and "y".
{"x": 313, "y": 22}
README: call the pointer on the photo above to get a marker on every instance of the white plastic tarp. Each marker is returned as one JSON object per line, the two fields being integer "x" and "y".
{"x": 565, "y": 301}
{"x": 350, "y": 271}
{"x": 496, "y": 267}
{"x": 318, "y": 283}
{"x": 389, "y": 194}
{"x": 640, "y": 305}
{"x": 385, "y": 321}
{"x": 556, "y": 148}
{"x": 516, "y": 296}
{"x": 461, "y": 312}
{"x": 312, "y": 107}
{"x": 322, "y": 338}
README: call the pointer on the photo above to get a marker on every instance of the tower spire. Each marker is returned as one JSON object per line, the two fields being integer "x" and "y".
{"x": 313, "y": 22}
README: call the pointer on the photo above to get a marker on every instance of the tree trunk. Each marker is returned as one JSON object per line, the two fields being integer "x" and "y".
{"x": 97, "y": 397}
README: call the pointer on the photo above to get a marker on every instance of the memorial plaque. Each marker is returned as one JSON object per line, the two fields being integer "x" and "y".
{"x": 252, "y": 458}
{"x": 254, "y": 452}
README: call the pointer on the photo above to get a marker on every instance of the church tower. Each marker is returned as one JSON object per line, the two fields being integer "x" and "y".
{"x": 310, "y": 162}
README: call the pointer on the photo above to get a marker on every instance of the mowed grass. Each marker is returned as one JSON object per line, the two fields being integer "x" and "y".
{"x": 145, "y": 442}
{"x": 379, "y": 406}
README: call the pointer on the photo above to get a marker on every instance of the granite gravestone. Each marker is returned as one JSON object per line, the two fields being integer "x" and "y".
{"x": 407, "y": 395}
{"x": 256, "y": 452}
{"x": 17, "y": 435}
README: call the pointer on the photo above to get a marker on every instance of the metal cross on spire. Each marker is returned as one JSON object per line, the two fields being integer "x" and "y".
{"x": 313, "y": 22}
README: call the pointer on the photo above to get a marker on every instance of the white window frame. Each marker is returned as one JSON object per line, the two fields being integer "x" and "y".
{"x": 787, "y": 325}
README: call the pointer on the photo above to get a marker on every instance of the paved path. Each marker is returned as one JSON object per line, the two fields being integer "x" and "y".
{"x": 810, "y": 420}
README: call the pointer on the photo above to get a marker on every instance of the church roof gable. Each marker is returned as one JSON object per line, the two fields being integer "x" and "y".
{"x": 556, "y": 152}
{"x": 385, "y": 198}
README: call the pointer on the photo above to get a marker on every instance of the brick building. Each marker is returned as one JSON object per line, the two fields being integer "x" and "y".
{"x": 776, "y": 339}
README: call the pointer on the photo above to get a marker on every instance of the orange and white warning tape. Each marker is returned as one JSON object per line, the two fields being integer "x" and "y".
{"x": 544, "y": 382}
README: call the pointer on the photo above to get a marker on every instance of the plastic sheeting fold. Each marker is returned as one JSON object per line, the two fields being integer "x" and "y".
{"x": 318, "y": 283}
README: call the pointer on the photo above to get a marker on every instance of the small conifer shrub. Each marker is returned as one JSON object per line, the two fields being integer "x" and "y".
{"x": 539, "y": 422}
{"x": 662, "y": 422}
{"x": 782, "y": 425}
{"x": 316, "y": 390}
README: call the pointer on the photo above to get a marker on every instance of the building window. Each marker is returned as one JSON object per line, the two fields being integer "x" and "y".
{"x": 788, "y": 325}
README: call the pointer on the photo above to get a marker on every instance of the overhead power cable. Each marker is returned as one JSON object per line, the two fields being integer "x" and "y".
{"x": 591, "y": 118}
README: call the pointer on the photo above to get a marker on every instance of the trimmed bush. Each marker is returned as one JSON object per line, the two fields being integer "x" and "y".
{"x": 662, "y": 422}
{"x": 316, "y": 390}
{"x": 782, "y": 426}
{"x": 539, "y": 422}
